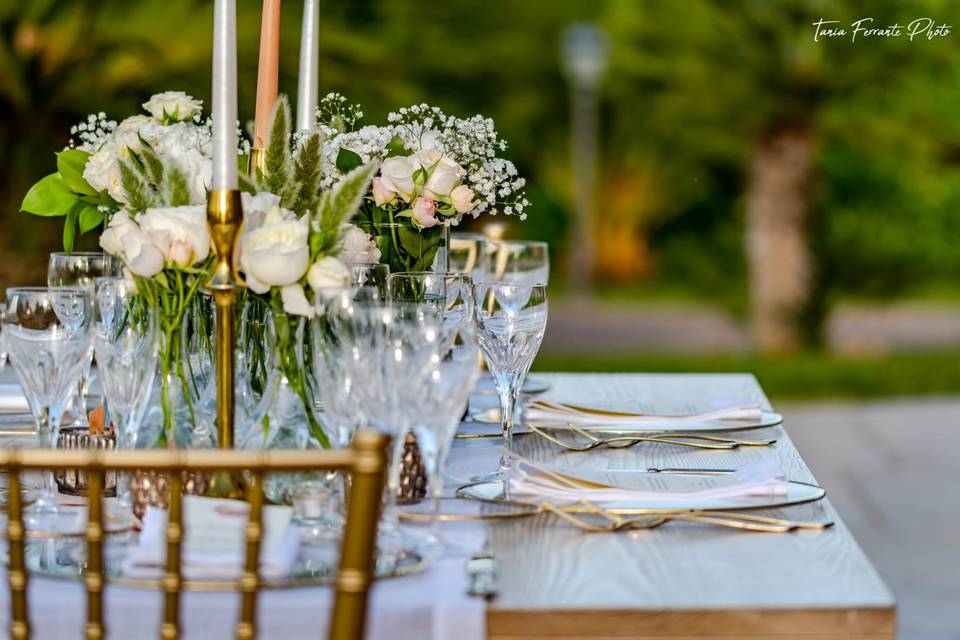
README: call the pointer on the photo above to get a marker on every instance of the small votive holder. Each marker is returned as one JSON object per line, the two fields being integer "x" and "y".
{"x": 74, "y": 481}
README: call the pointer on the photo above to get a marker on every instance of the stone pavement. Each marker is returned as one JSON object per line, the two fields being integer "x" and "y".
{"x": 892, "y": 470}
{"x": 586, "y": 326}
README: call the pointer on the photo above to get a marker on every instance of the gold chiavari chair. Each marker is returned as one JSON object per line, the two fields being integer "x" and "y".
{"x": 365, "y": 461}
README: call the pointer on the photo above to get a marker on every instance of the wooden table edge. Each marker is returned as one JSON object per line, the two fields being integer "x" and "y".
{"x": 877, "y": 622}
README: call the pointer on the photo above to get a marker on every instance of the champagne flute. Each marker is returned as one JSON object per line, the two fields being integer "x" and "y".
{"x": 81, "y": 269}
{"x": 448, "y": 377}
{"x": 511, "y": 320}
{"x": 49, "y": 335}
{"x": 126, "y": 344}
{"x": 518, "y": 262}
{"x": 370, "y": 279}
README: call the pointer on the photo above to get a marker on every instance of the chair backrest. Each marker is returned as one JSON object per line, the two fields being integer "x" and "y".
{"x": 365, "y": 460}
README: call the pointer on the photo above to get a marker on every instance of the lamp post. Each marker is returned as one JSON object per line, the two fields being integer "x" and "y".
{"x": 585, "y": 49}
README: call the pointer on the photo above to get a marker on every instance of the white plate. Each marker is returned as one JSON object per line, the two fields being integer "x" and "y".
{"x": 767, "y": 419}
{"x": 797, "y": 492}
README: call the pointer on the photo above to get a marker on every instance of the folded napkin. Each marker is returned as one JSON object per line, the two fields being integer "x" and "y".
{"x": 547, "y": 411}
{"x": 570, "y": 485}
{"x": 213, "y": 542}
{"x": 12, "y": 399}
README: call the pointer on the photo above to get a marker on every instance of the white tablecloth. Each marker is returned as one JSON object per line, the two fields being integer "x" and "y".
{"x": 429, "y": 605}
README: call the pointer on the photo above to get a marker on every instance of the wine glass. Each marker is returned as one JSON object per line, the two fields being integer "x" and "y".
{"x": 369, "y": 279}
{"x": 81, "y": 269}
{"x": 468, "y": 254}
{"x": 126, "y": 344}
{"x": 511, "y": 319}
{"x": 447, "y": 379}
{"x": 48, "y": 331}
{"x": 518, "y": 262}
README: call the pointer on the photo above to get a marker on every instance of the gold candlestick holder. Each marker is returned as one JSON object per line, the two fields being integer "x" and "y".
{"x": 257, "y": 162}
{"x": 224, "y": 220}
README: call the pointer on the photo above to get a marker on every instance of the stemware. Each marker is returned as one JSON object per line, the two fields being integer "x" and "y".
{"x": 447, "y": 379}
{"x": 369, "y": 280}
{"x": 517, "y": 262}
{"x": 48, "y": 331}
{"x": 511, "y": 319}
{"x": 126, "y": 345}
{"x": 468, "y": 254}
{"x": 81, "y": 269}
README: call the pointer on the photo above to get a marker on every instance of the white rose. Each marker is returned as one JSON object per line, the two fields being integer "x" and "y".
{"x": 424, "y": 212}
{"x": 276, "y": 253}
{"x": 326, "y": 273}
{"x": 295, "y": 301}
{"x": 445, "y": 176}
{"x": 172, "y": 106}
{"x": 397, "y": 175}
{"x": 382, "y": 195}
{"x": 430, "y": 139}
{"x": 111, "y": 240}
{"x": 141, "y": 254}
{"x": 128, "y": 133}
{"x": 198, "y": 172}
{"x": 463, "y": 199}
{"x": 255, "y": 207}
{"x": 429, "y": 157}
{"x": 102, "y": 172}
{"x": 358, "y": 247}
{"x": 180, "y": 232}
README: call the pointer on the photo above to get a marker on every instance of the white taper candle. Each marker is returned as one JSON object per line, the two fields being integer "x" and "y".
{"x": 309, "y": 87}
{"x": 224, "y": 95}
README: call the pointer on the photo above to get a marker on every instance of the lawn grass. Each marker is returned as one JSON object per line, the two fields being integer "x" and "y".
{"x": 804, "y": 376}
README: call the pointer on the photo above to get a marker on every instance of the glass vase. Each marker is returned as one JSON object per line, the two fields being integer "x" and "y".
{"x": 286, "y": 415}
{"x": 404, "y": 247}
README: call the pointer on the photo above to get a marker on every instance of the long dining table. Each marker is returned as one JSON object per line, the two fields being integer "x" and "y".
{"x": 680, "y": 580}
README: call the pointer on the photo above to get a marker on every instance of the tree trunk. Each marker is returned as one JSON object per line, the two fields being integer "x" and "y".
{"x": 778, "y": 251}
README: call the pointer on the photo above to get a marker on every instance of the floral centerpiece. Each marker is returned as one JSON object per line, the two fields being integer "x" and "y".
{"x": 146, "y": 180}
{"x": 293, "y": 239}
{"x": 434, "y": 170}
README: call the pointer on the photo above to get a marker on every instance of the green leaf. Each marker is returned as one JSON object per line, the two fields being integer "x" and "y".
{"x": 70, "y": 165}
{"x": 138, "y": 199}
{"x": 307, "y": 176}
{"x": 338, "y": 205}
{"x": 278, "y": 159}
{"x": 89, "y": 217}
{"x": 154, "y": 166}
{"x": 348, "y": 160}
{"x": 176, "y": 189}
{"x": 70, "y": 227}
{"x": 49, "y": 197}
{"x": 396, "y": 147}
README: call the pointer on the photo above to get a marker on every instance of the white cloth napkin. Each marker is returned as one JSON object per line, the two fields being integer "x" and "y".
{"x": 568, "y": 485}
{"x": 12, "y": 399}
{"x": 213, "y": 543}
{"x": 546, "y": 411}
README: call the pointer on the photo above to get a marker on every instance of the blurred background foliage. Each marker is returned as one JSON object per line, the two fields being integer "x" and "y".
{"x": 694, "y": 93}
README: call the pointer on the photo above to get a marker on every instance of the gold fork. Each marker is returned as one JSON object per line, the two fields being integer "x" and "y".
{"x": 675, "y": 436}
{"x": 623, "y": 442}
{"x": 736, "y": 520}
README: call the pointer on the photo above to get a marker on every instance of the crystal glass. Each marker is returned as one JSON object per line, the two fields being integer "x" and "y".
{"x": 49, "y": 335}
{"x": 517, "y": 262}
{"x": 81, "y": 269}
{"x": 511, "y": 319}
{"x": 126, "y": 345}
{"x": 468, "y": 254}
{"x": 404, "y": 247}
{"x": 447, "y": 379}
{"x": 387, "y": 351}
{"x": 369, "y": 279}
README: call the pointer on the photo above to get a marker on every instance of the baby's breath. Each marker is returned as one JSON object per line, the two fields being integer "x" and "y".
{"x": 92, "y": 132}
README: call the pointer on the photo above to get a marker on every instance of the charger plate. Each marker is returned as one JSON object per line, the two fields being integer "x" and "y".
{"x": 64, "y": 558}
{"x": 797, "y": 493}
{"x": 455, "y": 509}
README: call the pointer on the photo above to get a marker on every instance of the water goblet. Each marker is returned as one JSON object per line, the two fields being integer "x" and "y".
{"x": 48, "y": 331}
{"x": 80, "y": 269}
{"x": 511, "y": 319}
{"x": 468, "y": 254}
{"x": 126, "y": 344}
{"x": 517, "y": 262}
